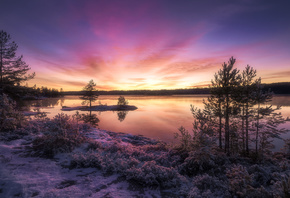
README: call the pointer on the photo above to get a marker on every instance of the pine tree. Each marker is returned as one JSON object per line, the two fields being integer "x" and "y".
{"x": 245, "y": 98}
{"x": 213, "y": 107}
{"x": 122, "y": 101}
{"x": 223, "y": 86}
{"x": 90, "y": 94}
{"x": 13, "y": 70}
{"x": 261, "y": 97}
{"x": 269, "y": 129}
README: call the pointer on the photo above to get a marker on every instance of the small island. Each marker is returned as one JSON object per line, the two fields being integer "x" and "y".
{"x": 101, "y": 108}
{"x": 90, "y": 95}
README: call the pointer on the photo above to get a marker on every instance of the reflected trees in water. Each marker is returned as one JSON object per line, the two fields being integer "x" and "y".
{"x": 122, "y": 115}
{"x": 90, "y": 119}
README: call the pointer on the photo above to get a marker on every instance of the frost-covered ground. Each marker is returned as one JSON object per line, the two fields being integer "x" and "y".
{"x": 24, "y": 176}
{"x": 112, "y": 164}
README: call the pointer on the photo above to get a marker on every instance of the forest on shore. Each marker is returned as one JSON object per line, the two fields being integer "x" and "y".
{"x": 277, "y": 88}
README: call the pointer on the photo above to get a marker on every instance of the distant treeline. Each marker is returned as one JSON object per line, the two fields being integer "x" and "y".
{"x": 277, "y": 88}
{"x": 30, "y": 93}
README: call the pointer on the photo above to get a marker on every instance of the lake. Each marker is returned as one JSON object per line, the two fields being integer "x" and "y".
{"x": 157, "y": 117}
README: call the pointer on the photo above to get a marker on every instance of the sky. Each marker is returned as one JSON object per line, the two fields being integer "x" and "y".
{"x": 147, "y": 44}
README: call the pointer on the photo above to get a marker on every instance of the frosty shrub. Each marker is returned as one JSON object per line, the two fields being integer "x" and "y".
{"x": 108, "y": 158}
{"x": 197, "y": 162}
{"x": 93, "y": 145}
{"x": 286, "y": 148}
{"x": 89, "y": 159}
{"x": 10, "y": 118}
{"x": 240, "y": 183}
{"x": 261, "y": 175}
{"x": 60, "y": 135}
{"x": 158, "y": 147}
{"x": 208, "y": 186}
{"x": 137, "y": 163}
{"x": 281, "y": 188}
{"x": 202, "y": 139}
{"x": 239, "y": 180}
{"x": 184, "y": 139}
{"x": 151, "y": 174}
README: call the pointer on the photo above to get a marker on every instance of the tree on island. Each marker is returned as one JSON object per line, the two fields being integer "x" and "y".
{"x": 90, "y": 95}
{"x": 13, "y": 70}
{"x": 122, "y": 101}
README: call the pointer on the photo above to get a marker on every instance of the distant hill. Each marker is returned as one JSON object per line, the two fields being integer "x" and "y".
{"x": 277, "y": 88}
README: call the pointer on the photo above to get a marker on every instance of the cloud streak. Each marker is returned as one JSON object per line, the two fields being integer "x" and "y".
{"x": 146, "y": 45}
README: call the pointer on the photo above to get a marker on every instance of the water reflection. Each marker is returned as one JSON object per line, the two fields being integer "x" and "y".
{"x": 157, "y": 117}
{"x": 90, "y": 118}
{"x": 46, "y": 103}
{"x": 122, "y": 115}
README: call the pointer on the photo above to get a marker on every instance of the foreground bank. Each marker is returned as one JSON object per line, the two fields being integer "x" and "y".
{"x": 63, "y": 158}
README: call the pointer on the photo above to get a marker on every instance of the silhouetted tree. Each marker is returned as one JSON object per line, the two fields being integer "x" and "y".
{"x": 245, "y": 97}
{"x": 90, "y": 94}
{"x": 261, "y": 97}
{"x": 223, "y": 86}
{"x": 13, "y": 70}
{"x": 213, "y": 106}
{"x": 122, "y": 101}
{"x": 237, "y": 100}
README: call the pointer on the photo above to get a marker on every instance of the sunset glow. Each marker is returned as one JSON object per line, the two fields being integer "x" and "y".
{"x": 128, "y": 45}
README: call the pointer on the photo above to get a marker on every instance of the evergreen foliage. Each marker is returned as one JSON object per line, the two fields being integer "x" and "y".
{"x": 13, "y": 70}
{"x": 90, "y": 94}
{"x": 10, "y": 118}
{"x": 236, "y": 113}
{"x": 122, "y": 101}
{"x": 223, "y": 86}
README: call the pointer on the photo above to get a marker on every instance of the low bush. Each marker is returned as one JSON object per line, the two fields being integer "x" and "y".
{"x": 197, "y": 162}
{"x": 281, "y": 188}
{"x": 151, "y": 174}
{"x": 208, "y": 186}
{"x": 133, "y": 162}
{"x": 60, "y": 134}
{"x": 10, "y": 118}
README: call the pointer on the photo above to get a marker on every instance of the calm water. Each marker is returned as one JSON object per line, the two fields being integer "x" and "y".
{"x": 157, "y": 117}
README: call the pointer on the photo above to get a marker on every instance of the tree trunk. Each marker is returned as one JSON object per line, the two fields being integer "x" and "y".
{"x": 227, "y": 127}
{"x": 247, "y": 128}
{"x": 257, "y": 130}
{"x": 1, "y": 68}
{"x": 220, "y": 126}
{"x": 220, "y": 132}
{"x": 243, "y": 128}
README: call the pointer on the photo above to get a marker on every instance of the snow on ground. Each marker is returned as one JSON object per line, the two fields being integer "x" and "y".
{"x": 24, "y": 176}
